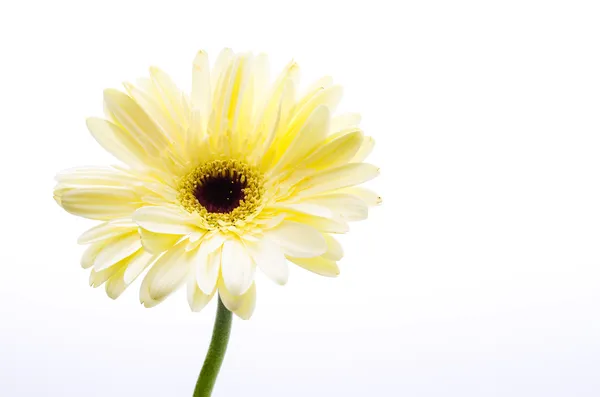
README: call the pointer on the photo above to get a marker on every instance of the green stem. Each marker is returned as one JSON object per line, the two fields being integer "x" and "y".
{"x": 216, "y": 352}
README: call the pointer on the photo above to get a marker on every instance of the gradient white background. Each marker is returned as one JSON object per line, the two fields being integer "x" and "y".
{"x": 479, "y": 276}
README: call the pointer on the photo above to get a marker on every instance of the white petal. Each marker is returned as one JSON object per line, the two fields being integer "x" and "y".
{"x": 106, "y": 230}
{"x": 237, "y": 267}
{"x": 347, "y": 206}
{"x": 311, "y": 134}
{"x": 207, "y": 260}
{"x": 167, "y": 220}
{"x": 370, "y": 198}
{"x": 136, "y": 265}
{"x": 336, "y": 178}
{"x": 94, "y": 177}
{"x": 339, "y": 149}
{"x": 324, "y": 225}
{"x": 365, "y": 149}
{"x": 147, "y": 97}
{"x": 135, "y": 121}
{"x": 269, "y": 257}
{"x": 101, "y": 203}
{"x": 297, "y": 239}
{"x": 318, "y": 265}
{"x": 307, "y": 208}
{"x": 115, "y": 285}
{"x": 167, "y": 275}
{"x": 89, "y": 255}
{"x": 345, "y": 121}
{"x": 335, "y": 252}
{"x": 117, "y": 142}
{"x": 241, "y": 305}
{"x": 157, "y": 243}
{"x": 97, "y": 278}
{"x": 221, "y": 65}
{"x": 196, "y": 298}
{"x": 200, "y": 97}
{"x": 116, "y": 250}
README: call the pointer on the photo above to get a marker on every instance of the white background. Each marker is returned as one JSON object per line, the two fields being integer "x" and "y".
{"x": 479, "y": 276}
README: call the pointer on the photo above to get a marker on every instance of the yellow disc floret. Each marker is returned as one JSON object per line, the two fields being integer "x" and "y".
{"x": 222, "y": 192}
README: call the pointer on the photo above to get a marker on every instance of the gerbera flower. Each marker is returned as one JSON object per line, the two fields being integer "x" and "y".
{"x": 240, "y": 174}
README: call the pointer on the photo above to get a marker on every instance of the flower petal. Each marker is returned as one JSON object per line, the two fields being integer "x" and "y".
{"x": 297, "y": 239}
{"x": 116, "y": 250}
{"x": 241, "y": 305}
{"x": 135, "y": 121}
{"x": 207, "y": 262}
{"x": 269, "y": 257}
{"x": 318, "y": 265}
{"x": 138, "y": 263}
{"x": 370, "y": 198}
{"x": 344, "y": 121}
{"x": 335, "y": 252}
{"x": 336, "y": 178}
{"x": 94, "y": 177}
{"x": 339, "y": 149}
{"x": 347, "y": 206}
{"x": 117, "y": 142}
{"x": 196, "y": 298}
{"x": 167, "y": 220}
{"x": 311, "y": 134}
{"x": 324, "y": 225}
{"x": 167, "y": 275}
{"x": 237, "y": 267}
{"x": 365, "y": 149}
{"x": 157, "y": 243}
{"x": 100, "y": 203}
{"x": 107, "y": 230}
{"x": 90, "y": 254}
{"x": 129, "y": 269}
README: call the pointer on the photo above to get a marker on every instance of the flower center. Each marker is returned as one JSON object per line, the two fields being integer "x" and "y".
{"x": 223, "y": 192}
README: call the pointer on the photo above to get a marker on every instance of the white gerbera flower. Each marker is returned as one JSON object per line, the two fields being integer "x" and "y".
{"x": 241, "y": 174}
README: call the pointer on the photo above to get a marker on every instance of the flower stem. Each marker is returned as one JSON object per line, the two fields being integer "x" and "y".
{"x": 216, "y": 352}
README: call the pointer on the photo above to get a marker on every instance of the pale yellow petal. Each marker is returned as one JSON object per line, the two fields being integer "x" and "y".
{"x": 241, "y": 305}
{"x": 312, "y": 132}
{"x": 348, "y": 206}
{"x": 365, "y": 149}
{"x": 345, "y": 121}
{"x": 339, "y": 149}
{"x": 90, "y": 253}
{"x": 318, "y": 265}
{"x": 137, "y": 264}
{"x": 116, "y": 250}
{"x": 207, "y": 264}
{"x": 172, "y": 100}
{"x": 269, "y": 257}
{"x": 167, "y": 220}
{"x": 117, "y": 142}
{"x": 101, "y": 203}
{"x": 324, "y": 225}
{"x": 134, "y": 120}
{"x": 335, "y": 252}
{"x": 157, "y": 243}
{"x": 107, "y": 230}
{"x": 94, "y": 177}
{"x": 370, "y": 198}
{"x": 237, "y": 267}
{"x": 297, "y": 239}
{"x": 200, "y": 98}
{"x": 196, "y": 298}
{"x": 165, "y": 276}
{"x": 337, "y": 178}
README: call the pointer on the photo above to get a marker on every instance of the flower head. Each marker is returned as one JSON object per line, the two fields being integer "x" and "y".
{"x": 240, "y": 174}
